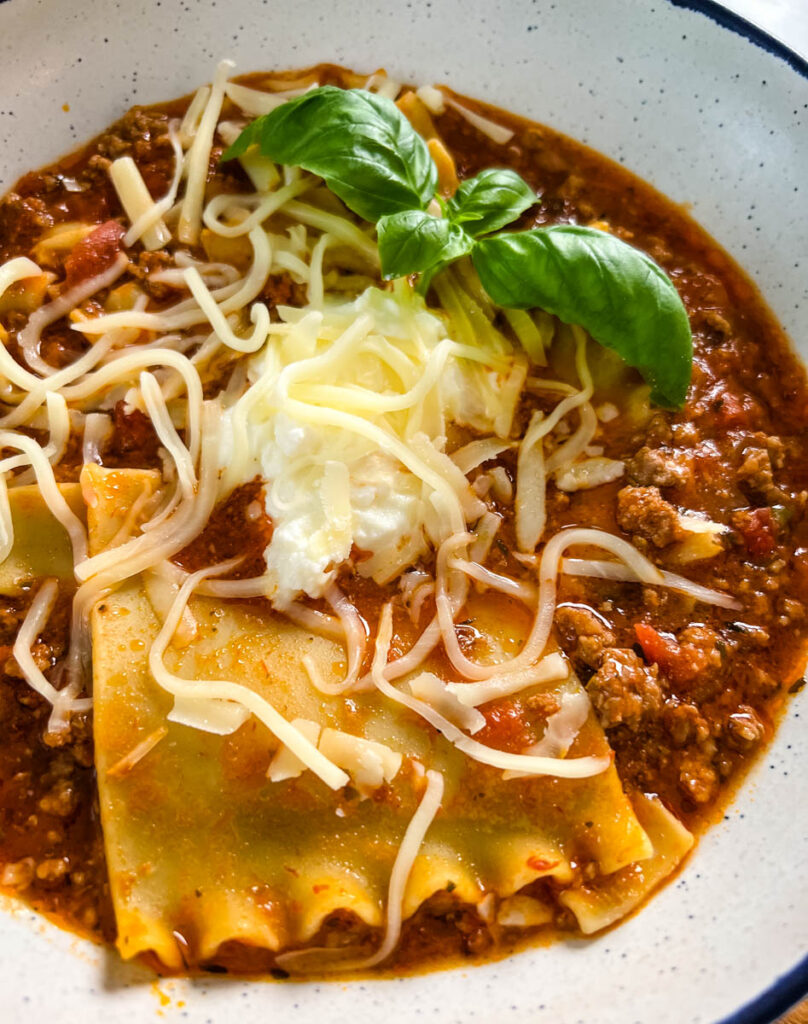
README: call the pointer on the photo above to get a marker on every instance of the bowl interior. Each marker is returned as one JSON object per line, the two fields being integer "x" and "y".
{"x": 714, "y": 122}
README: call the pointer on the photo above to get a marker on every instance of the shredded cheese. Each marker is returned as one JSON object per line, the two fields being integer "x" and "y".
{"x": 138, "y": 204}
{"x": 574, "y": 768}
{"x": 368, "y": 763}
{"x": 137, "y": 753}
{"x": 496, "y": 132}
{"x": 222, "y": 692}
{"x": 199, "y": 159}
{"x": 430, "y": 804}
{"x": 287, "y": 765}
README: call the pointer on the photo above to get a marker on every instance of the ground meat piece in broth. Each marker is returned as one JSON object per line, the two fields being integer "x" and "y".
{"x": 756, "y": 472}
{"x": 22, "y": 216}
{"x": 744, "y": 729}
{"x": 624, "y": 691}
{"x": 583, "y": 634}
{"x": 658, "y": 467}
{"x": 643, "y": 511}
{"x": 684, "y": 723}
{"x": 697, "y": 778}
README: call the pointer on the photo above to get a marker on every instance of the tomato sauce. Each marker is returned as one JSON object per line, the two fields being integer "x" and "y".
{"x": 688, "y": 694}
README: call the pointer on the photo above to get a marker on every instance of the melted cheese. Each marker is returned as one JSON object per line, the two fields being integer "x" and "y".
{"x": 367, "y": 468}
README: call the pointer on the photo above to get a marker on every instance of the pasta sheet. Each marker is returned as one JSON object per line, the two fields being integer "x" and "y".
{"x": 203, "y": 849}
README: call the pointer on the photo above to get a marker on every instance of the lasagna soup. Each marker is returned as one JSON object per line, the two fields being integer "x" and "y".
{"x": 403, "y": 531}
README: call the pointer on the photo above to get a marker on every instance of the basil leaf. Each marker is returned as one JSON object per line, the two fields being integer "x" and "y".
{"x": 413, "y": 241}
{"x": 588, "y": 277}
{"x": 359, "y": 143}
{"x": 490, "y": 200}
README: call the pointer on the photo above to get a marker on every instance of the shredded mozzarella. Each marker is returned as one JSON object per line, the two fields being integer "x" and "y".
{"x": 368, "y": 763}
{"x": 624, "y": 573}
{"x": 49, "y": 490}
{"x": 574, "y": 768}
{"x": 443, "y": 698}
{"x": 198, "y": 158}
{"x": 551, "y": 668}
{"x": 256, "y": 102}
{"x": 138, "y": 204}
{"x": 287, "y": 765}
{"x": 430, "y": 804}
{"x": 125, "y": 765}
{"x": 496, "y": 132}
{"x": 222, "y": 691}
{"x": 29, "y": 336}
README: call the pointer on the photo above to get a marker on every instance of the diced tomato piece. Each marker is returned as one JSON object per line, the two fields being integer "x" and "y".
{"x": 661, "y": 648}
{"x": 94, "y": 253}
{"x": 679, "y": 662}
{"x": 505, "y": 726}
{"x": 729, "y": 411}
{"x": 759, "y": 531}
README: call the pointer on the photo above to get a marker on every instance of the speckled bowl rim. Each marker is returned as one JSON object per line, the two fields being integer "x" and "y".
{"x": 792, "y": 986}
{"x": 788, "y": 989}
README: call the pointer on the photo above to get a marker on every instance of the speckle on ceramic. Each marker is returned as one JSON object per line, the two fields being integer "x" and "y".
{"x": 713, "y": 121}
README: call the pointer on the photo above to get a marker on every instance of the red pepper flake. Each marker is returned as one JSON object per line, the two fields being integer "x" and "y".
{"x": 541, "y": 864}
{"x": 317, "y": 889}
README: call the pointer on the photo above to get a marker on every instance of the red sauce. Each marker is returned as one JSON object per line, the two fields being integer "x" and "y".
{"x": 686, "y": 694}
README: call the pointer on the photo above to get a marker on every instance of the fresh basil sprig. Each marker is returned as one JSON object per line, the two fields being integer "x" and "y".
{"x": 366, "y": 151}
{"x": 413, "y": 242}
{"x": 369, "y": 155}
{"x": 490, "y": 200}
{"x": 590, "y": 278}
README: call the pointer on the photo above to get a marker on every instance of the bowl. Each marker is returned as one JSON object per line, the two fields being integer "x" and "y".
{"x": 710, "y": 111}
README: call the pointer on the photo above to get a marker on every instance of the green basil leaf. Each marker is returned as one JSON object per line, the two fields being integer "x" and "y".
{"x": 490, "y": 200}
{"x": 359, "y": 143}
{"x": 590, "y": 278}
{"x": 413, "y": 241}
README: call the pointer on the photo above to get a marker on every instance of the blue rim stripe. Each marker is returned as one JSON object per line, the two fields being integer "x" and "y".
{"x": 776, "y": 1000}
{"x": 789, "y": 989}
{"x": 735, "y": 23}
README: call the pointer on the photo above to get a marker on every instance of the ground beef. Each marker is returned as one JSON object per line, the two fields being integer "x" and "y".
{"x": 136, "y": 135}
{"x": 713, "y": 327}
{"x": 697, "y": 778}
{"x": 624, "y": 691}
{"x": 744, "y": 729}
{"x": 281, "y": 290}
{"x": 643, "y": 511}
{"x": 133, "y": 441}
{"x": 756, "y": 473}
{"x": 143, "y": 264}
{"x": 22, "y": 218}
{"x": 684, "y": 723}
{"x": 658, "y": 467}
{"x": 584, "y": 635}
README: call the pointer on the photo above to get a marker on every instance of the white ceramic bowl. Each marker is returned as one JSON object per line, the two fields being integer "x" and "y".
{"x": 713, "y": 117}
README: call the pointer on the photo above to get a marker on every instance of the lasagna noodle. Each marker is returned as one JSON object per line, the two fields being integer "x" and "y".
{"x": 201, "y": 844}
{"x": 41, "y": 545}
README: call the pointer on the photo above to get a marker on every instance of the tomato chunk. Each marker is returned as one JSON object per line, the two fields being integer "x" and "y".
{"x": 759, "y": 531}
{"x": 94, "y": 253}
{"x": 505, "y": 726}
{"x": 679, "y": 662}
